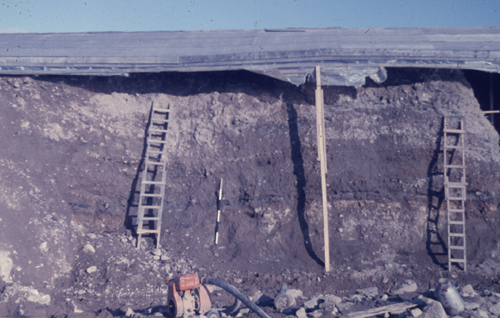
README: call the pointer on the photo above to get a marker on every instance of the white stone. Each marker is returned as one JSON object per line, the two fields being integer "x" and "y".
{"x": 294, "y": 293}
{"x": 157, "y": 252}
{"x": 43, "y": 247}
{"x": 301, "y": 313}
{"x": 45, "y": 300}
{"x": 434, "y": 310}
{"x": 76, "y": 310}
{"x": 471, "y": 305}
{"x": 316, "y": 314}
{"x": 33, "y": 295}
{"x": 91, "y": 269}
{"x": 469, "y": 290}
{"x": 369, "y": 292}
{"x": 310, "y": 304}
{"x": 88, "y": 249}
{"x": 5, "y": 266}
{"x": 481, "y": 314}
{"x": 407, "y": 287}
{"x": 332, "y": 300}
{"x": 129, "y": 312}
{"x": 416, "y": 312}
{"x": 495, "y": 310}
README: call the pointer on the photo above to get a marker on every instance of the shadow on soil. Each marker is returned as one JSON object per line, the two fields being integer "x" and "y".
{"x": 298, "y": 171}
{"x": 435, "y": 245}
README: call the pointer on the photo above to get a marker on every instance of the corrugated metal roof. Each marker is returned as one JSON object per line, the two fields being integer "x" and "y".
{"x": 347, "y": 56}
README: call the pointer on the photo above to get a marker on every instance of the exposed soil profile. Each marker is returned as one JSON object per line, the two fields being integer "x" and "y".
{"x": 70, "y": 163}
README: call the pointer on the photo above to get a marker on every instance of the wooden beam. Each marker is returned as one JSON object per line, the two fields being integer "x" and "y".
{"x": 394, "y": 309}
{"x": 320, "y": 129}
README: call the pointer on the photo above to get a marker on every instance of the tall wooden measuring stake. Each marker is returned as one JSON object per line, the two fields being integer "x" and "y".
{"x": 320, "y": 128}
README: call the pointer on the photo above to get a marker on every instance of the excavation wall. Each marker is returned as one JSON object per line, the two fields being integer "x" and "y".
{"x": 71, "y": 155}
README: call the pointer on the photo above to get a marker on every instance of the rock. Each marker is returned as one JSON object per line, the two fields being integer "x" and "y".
{"x": 344, "y": 306}
{"x": 468, "y": 290}
{"x": 129, "y": 312}
{"x": 91, "y": 269}
{"x": 301, "y": 313}
{"x": 45, "y": 300}
{"x": 238, "y": 280}
{"x": 471, "y": 305}
{"x": 480, "y": 314}
{"x": 286, "y": 298}
{"x": 156, "y": 258}
{"x": 312, "y": 303}
{"x": 164, "y": 258}
{"x": 75, "y": 309}
{"x": 156, "y": 252}
{"x": 416, "y": 312}
{"x": 384, "y": 297}
{"x": 105, "y": 314}
{"x": 256, "y": 296}
{"x": 283, "y": 301}
{"x": 6, "y": 265}
{"x": 88, "y": 249}
{"x": 368, "y": 292}
{"x": 357, "y": 298}
{"x": 43, "y": 247}
{"x": 295, "y": 293}
{"x": 434, "y": 310}
{"x": 495, "y": 310}
{"x": 332, "y": 300}
{"x": 408, "y": 286}
{"x": 316, "y": 314}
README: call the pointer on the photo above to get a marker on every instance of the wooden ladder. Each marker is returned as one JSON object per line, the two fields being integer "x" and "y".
{"x": 154, "y": 176}
{"x": 455, "y": 187}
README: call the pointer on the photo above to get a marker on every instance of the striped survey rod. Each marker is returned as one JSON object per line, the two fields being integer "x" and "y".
{"x": 218, "y": 214}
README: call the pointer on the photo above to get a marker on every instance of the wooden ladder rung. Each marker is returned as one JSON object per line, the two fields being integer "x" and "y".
{"x": 154, "y": 182}
{"x": 446, "y": 166}
{"x": 454, "y": 131}
{"x": 150, "y": 218}
{"x": 159, "y": 131}
{"x": 156, "y": 163}
{"x": 161, "y": 110}
{"x": 144, "y": 231}
{"x": 150, "y": 206}
{"x": 455, "y": 184}
{"x": 152, "y": 195}
{"x": 157, "y": 141}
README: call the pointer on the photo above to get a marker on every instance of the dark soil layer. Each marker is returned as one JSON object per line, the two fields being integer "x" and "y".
{"x": 71, "y": 159}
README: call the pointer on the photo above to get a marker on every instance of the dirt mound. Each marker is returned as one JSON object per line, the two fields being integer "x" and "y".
{"x": 72, "y": 152}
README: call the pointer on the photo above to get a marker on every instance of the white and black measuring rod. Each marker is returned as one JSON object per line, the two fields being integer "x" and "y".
{"x": 218, "y": 214}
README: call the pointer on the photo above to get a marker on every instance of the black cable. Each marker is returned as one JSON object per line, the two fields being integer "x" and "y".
{"x": 236, "y": 293}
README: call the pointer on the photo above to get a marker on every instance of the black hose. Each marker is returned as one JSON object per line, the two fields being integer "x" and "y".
{"x": 236, "y": 293}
